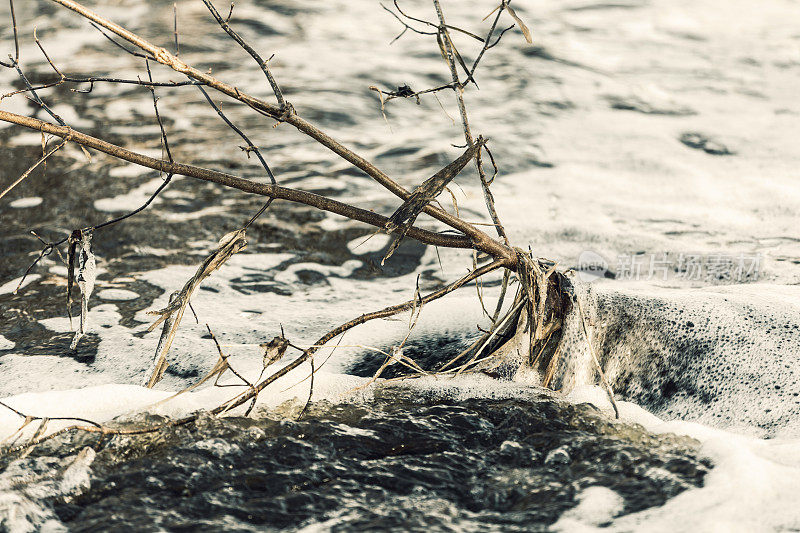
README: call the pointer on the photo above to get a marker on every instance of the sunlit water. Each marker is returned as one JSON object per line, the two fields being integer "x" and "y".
{"x": 656, "y": 136}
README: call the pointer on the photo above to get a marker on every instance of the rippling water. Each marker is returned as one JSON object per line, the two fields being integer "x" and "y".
{"x": 645, "y": 129}
{"x": 404, "y": 460}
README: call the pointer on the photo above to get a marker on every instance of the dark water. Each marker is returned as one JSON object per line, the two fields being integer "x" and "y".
{"x": 405, "y": 461}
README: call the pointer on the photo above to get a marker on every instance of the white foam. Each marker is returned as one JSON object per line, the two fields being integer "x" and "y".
{"x": 30, "y": 201}
{"x": 70, "y": 116}
{"x": 753, "y": 486}
{"x": 59, "y": 270}
{"x": 193, "y": 215}
{"x": 102, "y": 403}
{"x": 117, "y": 295}
{"x": 26, "y": 139}
{"x": 6, "y": 344}
{"x": 131, "y": 200}
{"x": 16, "y": 104}
{"x": 722, "y": 356}
{"x": 128, "y": 171}
{"x": 10, "y": 286}
{"x": 596, "y": 506}
{"x": 368, "y": 244}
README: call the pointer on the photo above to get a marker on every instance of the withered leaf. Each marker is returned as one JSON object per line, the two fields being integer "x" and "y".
{"x": 442, "y": 49}
{"x": 74, "y": 239}
{"x": 40, "y": 430}
{"x": 159, "y": 366}
{"x": 402, "y": 219}
{"x": 231, "y": 243}
{"x": 523, "y": 28}
{"x": 85, "y": 278}
{"x": 458, "y": 55}
{"x": 274, "y": 350}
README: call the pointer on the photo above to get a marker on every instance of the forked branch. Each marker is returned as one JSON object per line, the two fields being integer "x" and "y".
{"x": 263, "y": 189}
{"x": 163, "y": 56}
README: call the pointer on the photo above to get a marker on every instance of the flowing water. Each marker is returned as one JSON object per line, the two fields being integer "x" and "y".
{"x": 648, "y": 144}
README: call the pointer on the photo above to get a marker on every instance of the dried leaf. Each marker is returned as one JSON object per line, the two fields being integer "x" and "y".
{"x": 458, "y": 55}
{"x": 74, "y": 239}
{"x": 159, "y": 366}
{"x": 87, "y": 272}
{"x": 380, "y": 94}
{"x": 274, "y": 350}
{"x": 41, "y": 429}
{"x": 412, "y": 319}
{"x": 219, "y": 367}
{"x": 38, "y": 434}
{"x": 525, "y": 31}
{"x": 455, "y": 201}
{"x": 442, "y": 49}
{"x": 402, "y": 219}
{"x": 172, "y": 314}
{"x": 383, "y": 106}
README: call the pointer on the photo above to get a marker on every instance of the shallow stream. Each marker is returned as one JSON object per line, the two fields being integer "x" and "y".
{"x": 649, "y": 144}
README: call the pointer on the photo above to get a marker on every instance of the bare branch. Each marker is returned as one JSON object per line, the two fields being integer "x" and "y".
{"x": 403, "y": 218}
{"x": 273, "y": 191}
{"x": 486, "y": 45}
{"x": 164, "y": 57}
{"x": 406, "y": 25}
{"x": 449, "y": 56}
{"x": 332, "y": 334}
{"x": 16, "y": 36}
{"x": 250, "y": 146}
{"x": 138, "y": 209}
{"x": 44, "y": 53}
{"x": 409, "y": 17}
{"x": 33, "y": 93}
{"x": 249, "y": 49}
{"x": 91, "y": 80}
{"x": 175, "y": 27}
{"x": 164, "y": 141}
{"x": 32, "y": 168}
{"x": 120, "y": 45}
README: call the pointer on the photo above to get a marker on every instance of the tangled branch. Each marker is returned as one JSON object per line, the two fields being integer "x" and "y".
{"x": 540, "y": 301}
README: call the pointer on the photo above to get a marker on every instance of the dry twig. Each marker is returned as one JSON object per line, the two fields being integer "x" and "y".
{"x": 539, "y": 303}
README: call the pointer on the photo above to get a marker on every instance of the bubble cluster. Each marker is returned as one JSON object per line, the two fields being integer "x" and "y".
{"x": 727, "y": 357}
